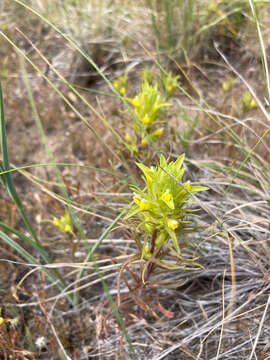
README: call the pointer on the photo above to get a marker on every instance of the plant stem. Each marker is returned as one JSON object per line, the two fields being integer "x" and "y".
{"x": 150, "y": 266}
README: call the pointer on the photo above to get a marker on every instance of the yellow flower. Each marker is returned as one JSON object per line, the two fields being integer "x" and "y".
{"x": 253, "y": 104}
{"x": 169, "y": 88}
{"x": 68, "y": 228}
{"x": 122, "y": 91}
{"x": 115, "y": 84}
{"x": 144, "y": 204}
{"x": 136, "y": 102}
{"x": 56, "y": 222}
{"x": 146, "y": 119}
{"x": 172, "y": 224}
{"x": 2, "y": 320}
{"x": 158, "y": 132}
{"x": 128, "y": 138}
{"x": 167, "y": 196}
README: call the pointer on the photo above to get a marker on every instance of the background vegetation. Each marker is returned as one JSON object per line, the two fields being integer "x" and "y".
{"x": 90, "y": 88}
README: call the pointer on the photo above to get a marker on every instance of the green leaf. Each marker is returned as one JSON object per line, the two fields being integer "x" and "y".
{"x": 174, "y": 239}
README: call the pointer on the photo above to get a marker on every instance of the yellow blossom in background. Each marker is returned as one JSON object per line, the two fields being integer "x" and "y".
{"x": 170, "y": 83}
{"x": 157, "y": 132}
{"x": 121, "y": 84}
{"x": 227, "y": 85}
{"x": 64, "y": 223}
{"x": 2, "y": 320}
{"x": 248, "y": 102}
{"x": 122, "y": 91}
{"x": 128, "y": 138}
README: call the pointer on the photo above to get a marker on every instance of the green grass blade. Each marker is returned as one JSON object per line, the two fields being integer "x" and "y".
{"x": 7, "y": 177}
{"x": 3, "y": 178}
{"x": 53, "y": 276}
{"x": 91, "y": 253}
{"x": 7, "y": 180}
{"x": 48, "y": 150}
{"x": 262, "y": 50}
{"x": 28, "y": 240}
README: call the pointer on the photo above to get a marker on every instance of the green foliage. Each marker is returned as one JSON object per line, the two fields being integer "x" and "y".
{"x": 160, "y": 210}
{"x": 148, "y": 75}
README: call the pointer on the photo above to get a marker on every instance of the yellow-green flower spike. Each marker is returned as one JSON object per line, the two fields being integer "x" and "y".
{"x": 161, "y": 209}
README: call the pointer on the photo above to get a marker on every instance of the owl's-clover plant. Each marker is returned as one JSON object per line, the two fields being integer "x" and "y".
{"x": 121, "y": 84}
{"x": 161, "y": 212}
{"x": 248, "y": 102}
{"x": 170, "y": 83}
{"x": 149, "y": 105}
{"x": 149, "y": 108}
{"x": 64, "y": 223}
